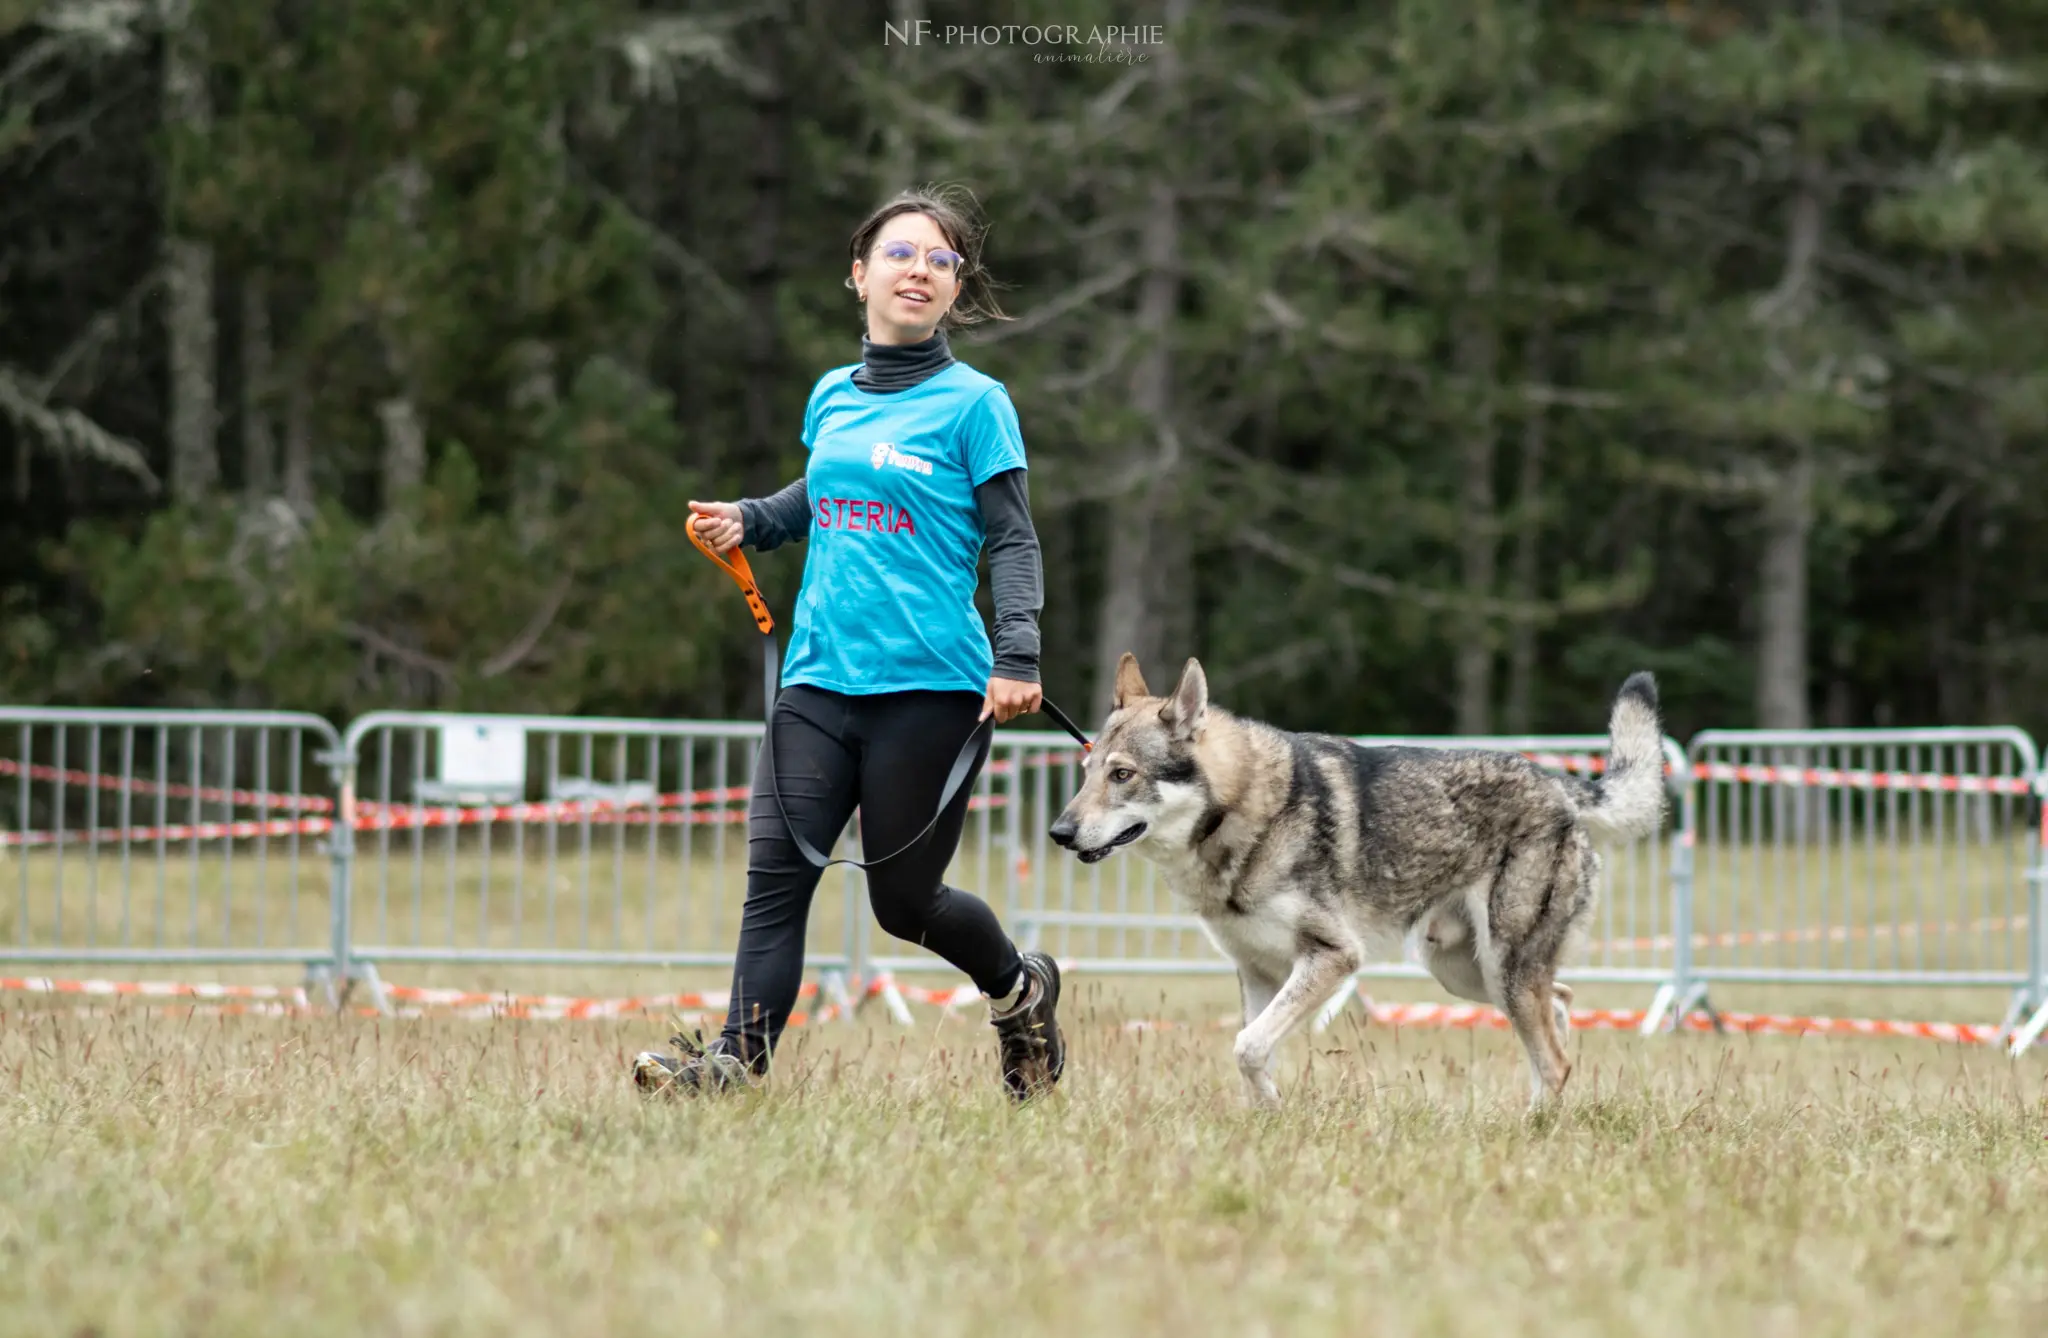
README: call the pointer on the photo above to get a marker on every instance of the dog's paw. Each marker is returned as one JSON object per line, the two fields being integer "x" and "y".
{"x": 1254, "y": 1060}
{"x": 1260, "y": 1092}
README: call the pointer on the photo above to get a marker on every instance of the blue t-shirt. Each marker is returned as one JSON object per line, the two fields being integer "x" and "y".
{"x": 887, "y": 603}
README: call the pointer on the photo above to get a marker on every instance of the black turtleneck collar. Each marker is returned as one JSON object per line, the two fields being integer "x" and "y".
{"x": 890, "y": 367}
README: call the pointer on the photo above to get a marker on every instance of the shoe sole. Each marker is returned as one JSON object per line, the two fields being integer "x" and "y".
{"x": 1057, "y": 1065}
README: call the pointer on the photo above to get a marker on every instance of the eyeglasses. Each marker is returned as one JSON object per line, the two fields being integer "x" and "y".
{"x": 899, "y": 254}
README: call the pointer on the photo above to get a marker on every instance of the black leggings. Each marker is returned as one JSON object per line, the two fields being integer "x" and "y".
{"x": 888, "y": 754}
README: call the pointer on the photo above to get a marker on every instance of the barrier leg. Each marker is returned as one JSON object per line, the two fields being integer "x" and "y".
{"x": 343, "y": 972}
{"x": 1673, "y": 1004}
{"x": 2036, "y": 992}
{"x": 892, "y": 999}
{"x": 2030, "y": 1032}
{"x": 320, "y": 984}
{"x": 1659, "y": 1009}
{"x": 832, "y": 989}
{"x": 372, "y": 983}
{"x": 1678, "y": 998}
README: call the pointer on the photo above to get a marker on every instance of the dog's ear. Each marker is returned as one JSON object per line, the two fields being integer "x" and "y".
{"x": 1188, "y": 708}
{"x": 1130, "y": 684}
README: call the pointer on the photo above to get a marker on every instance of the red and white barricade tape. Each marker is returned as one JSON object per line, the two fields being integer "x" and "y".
{"x": 309, "y": 803}
{"x": 197, "y": 831}
{"x": 1834, "y": 778}
{"x": 667, "y": 811}
{"x": 571, "y": 1006}
{"x": 270, "y": 1000}
{"x": 1750, "y": 938}
{"x": 1478, "y": 1017}
{"x": 151, "y": 989}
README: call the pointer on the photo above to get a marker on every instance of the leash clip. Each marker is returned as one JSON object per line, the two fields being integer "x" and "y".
{"x": 1061, "y": 719}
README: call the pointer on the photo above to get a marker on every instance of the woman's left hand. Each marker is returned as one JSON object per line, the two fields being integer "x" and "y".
{"x": 1007, "y": 698}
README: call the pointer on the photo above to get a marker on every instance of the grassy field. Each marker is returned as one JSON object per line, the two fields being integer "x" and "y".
{"x": 165, "y": 1175}
{"x": 175, "y": 1171}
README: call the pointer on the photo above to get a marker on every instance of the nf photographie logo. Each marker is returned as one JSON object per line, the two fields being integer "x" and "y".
{"x": 1067, "y": 42}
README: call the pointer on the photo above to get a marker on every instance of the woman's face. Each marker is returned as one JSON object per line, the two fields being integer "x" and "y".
{"x": 910, "y": 278}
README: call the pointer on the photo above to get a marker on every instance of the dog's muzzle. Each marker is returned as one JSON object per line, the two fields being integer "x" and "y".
{"x": 1066, "y": 830}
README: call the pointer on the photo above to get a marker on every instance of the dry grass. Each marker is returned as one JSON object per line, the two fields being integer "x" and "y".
{"x": 185, "y": 1173}
{"x": 165, "y": 1175}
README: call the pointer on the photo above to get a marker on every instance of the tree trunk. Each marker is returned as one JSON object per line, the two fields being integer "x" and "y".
{"x": 1060, "y": 630}
{"x": 535, "y": 397}
{"x": 259, "y": 442}
{"x": 899, "y": 152}
{"x": 188, "y": 278}
{"x": 646, "y": 166}
{"x": 767, "y": 432}
{"x": 1837, "y": 710}
{"x": 1478, "y": 525}
{"x": 1782, "y": 659}
{"x": 405, "y": 432}
{"x": 405, "y": 448}
{"x": 1781, "y": 664}
{"x": 1521, "y": 702}
{"x": 1146, "y": 567}
{"x": 298, "y": 444}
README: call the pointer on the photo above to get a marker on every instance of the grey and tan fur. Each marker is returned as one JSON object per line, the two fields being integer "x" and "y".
{"x": 1307, "y": 855}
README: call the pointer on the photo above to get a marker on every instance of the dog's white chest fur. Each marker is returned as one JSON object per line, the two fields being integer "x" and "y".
{"x": 1260, "y": 924}
{"x": 1260, "y": 929}
{"x": 1266, "y": 938}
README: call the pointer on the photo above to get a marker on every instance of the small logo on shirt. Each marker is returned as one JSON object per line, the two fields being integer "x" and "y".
{"x": 885, "y": 453}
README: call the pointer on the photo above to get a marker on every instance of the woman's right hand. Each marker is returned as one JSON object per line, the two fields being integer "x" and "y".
{"x": 718, "y": 524}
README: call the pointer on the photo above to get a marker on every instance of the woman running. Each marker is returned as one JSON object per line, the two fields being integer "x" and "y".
{"x": 916, "y": 464}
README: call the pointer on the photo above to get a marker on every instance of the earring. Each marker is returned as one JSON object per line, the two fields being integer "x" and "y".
{"x": 860, "y": 295}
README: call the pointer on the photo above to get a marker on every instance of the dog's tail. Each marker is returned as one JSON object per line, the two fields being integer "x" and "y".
{"x": 1628, "y": 801}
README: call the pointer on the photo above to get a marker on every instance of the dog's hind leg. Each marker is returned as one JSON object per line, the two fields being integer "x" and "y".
{"x": 1450, "y": 950}
{"x": 1536, "y": 1025}
{"x": 1534, "y": 904}
{"x": 1320, "y": 967}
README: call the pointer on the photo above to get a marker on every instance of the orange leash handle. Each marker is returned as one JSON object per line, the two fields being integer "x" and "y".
{"x": 736, "y": 567}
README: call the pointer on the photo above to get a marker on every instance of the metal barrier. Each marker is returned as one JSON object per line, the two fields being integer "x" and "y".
{"x": 194, "y": 837}
{"x": 1908, "y": 857}
{"x": 1911, "y": 857}
{"x": 556, "y": 841}
{"x": 1119, "y": 918}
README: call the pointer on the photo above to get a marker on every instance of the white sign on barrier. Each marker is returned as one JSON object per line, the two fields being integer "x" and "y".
{"x": 486, "y": 758}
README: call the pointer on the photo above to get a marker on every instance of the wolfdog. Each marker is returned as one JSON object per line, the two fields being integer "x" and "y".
{"x": 1306, "y": 855}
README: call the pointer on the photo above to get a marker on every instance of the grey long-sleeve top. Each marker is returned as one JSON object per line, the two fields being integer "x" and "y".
{"x": 1016, "y": 578}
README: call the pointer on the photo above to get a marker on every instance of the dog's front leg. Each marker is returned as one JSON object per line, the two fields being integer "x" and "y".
{"x": 1316, "y": 975}
{"x": 1257, "y": 990}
